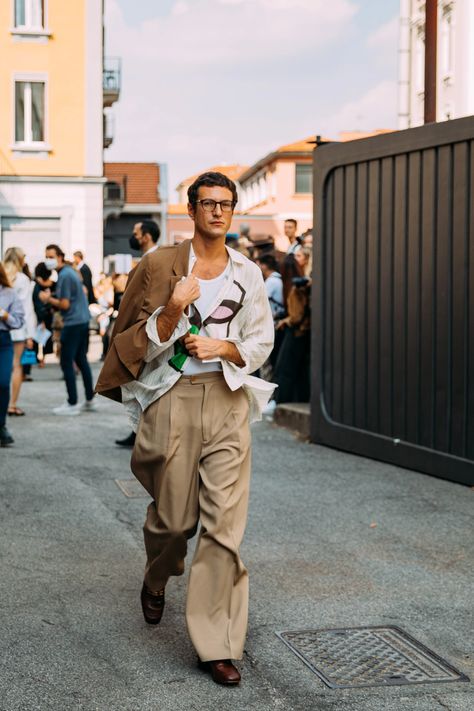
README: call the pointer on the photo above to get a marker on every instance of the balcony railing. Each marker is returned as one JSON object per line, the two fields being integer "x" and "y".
{"x": 111, "y": 79}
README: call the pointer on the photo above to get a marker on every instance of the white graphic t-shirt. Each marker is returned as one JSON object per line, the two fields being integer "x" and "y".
{"x": 210, "y": 292}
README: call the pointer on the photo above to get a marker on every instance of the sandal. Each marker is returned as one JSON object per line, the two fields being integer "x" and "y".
{"x": 15, "y": 412}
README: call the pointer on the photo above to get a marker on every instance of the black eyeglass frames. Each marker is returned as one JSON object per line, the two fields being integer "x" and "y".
{"x": 210, "y": 205}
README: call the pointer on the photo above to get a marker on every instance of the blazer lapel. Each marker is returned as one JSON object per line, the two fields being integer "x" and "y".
{"x": 181, "y": 262}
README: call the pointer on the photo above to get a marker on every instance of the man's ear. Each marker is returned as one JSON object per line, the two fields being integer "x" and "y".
{"x": 191, "y": 211}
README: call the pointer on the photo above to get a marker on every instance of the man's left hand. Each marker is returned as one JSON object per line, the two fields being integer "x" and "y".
{"x": 202, "y": 347}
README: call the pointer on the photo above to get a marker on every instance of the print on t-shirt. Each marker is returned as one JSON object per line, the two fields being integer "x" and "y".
{"x": 225, "y": 312}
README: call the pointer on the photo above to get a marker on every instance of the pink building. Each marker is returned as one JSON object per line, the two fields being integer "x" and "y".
{"x": 277, "y": 187}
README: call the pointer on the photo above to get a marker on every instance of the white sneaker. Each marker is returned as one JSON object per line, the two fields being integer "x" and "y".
{"x": 89, "y": 406}
{"x": 67, "y": 409}
{"x": 269, "y": 410}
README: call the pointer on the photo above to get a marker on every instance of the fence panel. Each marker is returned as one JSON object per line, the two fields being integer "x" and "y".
{"x": 393, "y": 298}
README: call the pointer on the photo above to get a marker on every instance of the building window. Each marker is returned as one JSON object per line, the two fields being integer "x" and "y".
{"x": 29, "y": 14}
{"x": 29, "y": 112}
{"x": 304, "y": 178}
{"x": 447, "y": 40}
{"x": 420, "y": 59}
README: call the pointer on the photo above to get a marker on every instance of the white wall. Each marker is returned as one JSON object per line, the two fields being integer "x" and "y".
{"x": 76, "y": 204}
{"x": 455, "y": 84}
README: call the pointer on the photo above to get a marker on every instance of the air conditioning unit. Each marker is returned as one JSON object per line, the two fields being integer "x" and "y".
{"x": 113, "y": 192}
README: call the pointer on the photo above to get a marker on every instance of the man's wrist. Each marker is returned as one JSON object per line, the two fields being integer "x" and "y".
{"x": 175, "y": 304}
{"x": 222, "y": 348}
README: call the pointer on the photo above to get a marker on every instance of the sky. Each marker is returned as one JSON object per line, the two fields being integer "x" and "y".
{"x": 206, "y": 82}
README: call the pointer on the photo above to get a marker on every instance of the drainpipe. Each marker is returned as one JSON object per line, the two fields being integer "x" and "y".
{"x": 431, "y": 47}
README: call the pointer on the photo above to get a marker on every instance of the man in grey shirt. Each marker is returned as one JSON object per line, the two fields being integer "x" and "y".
{"x": 71, "y": 300}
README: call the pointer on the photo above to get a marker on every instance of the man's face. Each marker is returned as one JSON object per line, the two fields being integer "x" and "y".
{"x": 213, "y": 224}
{"x": 51, "y": 254}
{"x": 76, "y": 259}
{"x": 137, "y": 233}
{"x": 290, "y": 230}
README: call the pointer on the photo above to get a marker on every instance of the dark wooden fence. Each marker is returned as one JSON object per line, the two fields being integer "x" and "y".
{"x": 393, "y": 298}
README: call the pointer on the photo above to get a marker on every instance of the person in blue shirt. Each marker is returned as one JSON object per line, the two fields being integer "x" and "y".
{"x": 71, "y": 300}
{"x": 12, "y": 316}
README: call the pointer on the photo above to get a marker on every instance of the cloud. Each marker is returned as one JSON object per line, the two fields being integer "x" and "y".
{"x": 383, "y": 43}
{"x": 195, "y": 77}
{"x": 376, "y": 108}
{"x": 208, "y": 31}
{"x": 385, "y": 36}
{"x": 227, "y": 81}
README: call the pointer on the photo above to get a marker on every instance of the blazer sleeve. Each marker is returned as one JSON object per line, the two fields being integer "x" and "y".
{"x": 129, "y": 341}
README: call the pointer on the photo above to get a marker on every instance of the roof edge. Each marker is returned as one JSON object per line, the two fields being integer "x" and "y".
{"x": 270, "y": 158}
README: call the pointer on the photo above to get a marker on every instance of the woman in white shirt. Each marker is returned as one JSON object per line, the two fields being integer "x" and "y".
{"x": 14, "y": 261}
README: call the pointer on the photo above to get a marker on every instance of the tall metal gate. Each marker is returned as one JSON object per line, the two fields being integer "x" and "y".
{"x": 393, "y": 298}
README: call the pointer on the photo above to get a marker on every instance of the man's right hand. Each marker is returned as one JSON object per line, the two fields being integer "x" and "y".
{"x": 185, "y": 292}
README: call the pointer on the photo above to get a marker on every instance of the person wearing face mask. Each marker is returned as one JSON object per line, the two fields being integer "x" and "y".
{"x": 71, "y": 300}
{"x": 144, "y": 239}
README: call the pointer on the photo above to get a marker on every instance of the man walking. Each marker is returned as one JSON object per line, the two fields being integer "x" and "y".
{"x": 71, "y": 300}
{"x": 86, "y": 275}
{"x": 193, "y": 324}
{"x": 144, "y": 238}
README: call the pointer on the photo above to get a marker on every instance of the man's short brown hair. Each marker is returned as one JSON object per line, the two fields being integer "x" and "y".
{"x": 211, "y": 180}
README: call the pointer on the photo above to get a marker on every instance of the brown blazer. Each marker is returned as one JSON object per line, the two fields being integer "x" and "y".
{"x": 149, "y": 286}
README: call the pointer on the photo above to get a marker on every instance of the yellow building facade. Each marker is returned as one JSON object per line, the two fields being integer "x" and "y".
{"x": 51, "y": 127}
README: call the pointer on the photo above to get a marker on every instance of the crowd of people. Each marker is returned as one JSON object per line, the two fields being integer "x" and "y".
{"x": 38, "y": 315}
{"x": 288, "y": 279}
{"x": 52, "y": 312}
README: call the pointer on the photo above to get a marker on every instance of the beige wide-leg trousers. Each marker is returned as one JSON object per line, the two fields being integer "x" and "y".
{"x": 192, "y": 455}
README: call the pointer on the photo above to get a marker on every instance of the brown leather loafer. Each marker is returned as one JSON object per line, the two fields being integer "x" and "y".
{"x": 153, "y": 605}
{"x": 222, "y": 671}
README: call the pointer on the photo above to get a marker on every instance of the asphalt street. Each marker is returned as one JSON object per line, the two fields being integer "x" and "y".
{"x": 333, "y": 540}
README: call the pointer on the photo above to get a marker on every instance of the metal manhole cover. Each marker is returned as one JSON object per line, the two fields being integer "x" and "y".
{"x": 368, "y": 656}
{"x": 131, "y": 488}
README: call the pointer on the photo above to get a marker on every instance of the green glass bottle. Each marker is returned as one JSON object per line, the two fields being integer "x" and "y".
{"x": 180, "y": 353}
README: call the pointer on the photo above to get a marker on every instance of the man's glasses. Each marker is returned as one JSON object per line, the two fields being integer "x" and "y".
{"x": 210, "y": 205}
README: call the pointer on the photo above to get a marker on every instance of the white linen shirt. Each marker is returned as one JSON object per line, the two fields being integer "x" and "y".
{"x": 249, "y": 327}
